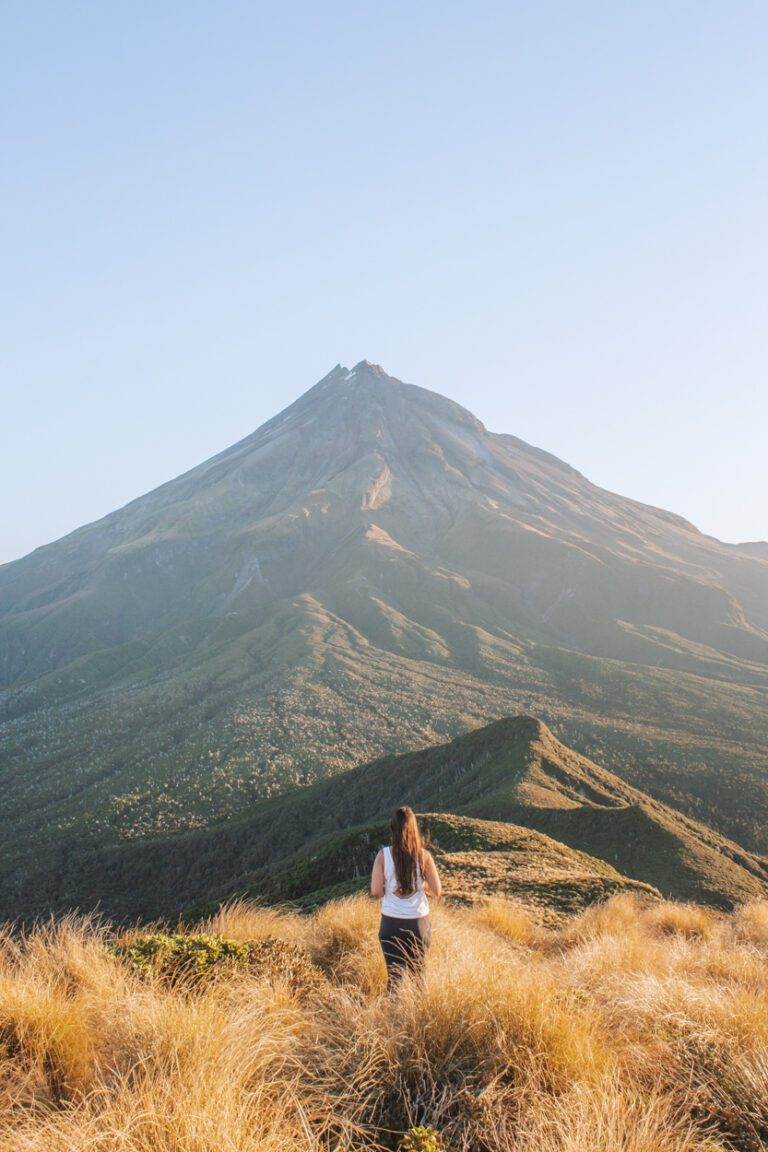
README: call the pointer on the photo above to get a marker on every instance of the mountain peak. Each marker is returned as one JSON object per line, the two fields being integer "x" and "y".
{"x": 366, "y": 372}
{"x": 363, "y": 372}
{"x": 383, "y": 403}
{"x": 374, "y": 369}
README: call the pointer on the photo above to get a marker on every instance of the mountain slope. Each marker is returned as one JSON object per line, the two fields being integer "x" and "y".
{"x": 513, "y": 771}
{"x": 476, "y": 858}
{"x": 369, "y": 571}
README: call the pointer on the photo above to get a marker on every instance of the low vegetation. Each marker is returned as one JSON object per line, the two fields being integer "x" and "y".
{"x": 508, "y": 808}
{"x": 194, "y": 957}
{"x": 633, "y": 1027}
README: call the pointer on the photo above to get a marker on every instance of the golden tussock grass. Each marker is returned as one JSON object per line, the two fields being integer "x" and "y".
{"x": 244, "y": 920}
{"x": 510, "y": 919}
{"x": 633, "y": 1028}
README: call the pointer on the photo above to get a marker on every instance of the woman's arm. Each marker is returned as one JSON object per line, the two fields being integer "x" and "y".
{"x": 377, "y": 876}
{"x": 432, "y": 877}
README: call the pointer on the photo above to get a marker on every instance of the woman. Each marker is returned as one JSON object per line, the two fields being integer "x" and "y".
{"x": 403, "y": 876}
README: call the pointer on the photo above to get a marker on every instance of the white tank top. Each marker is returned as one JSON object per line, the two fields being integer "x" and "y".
{"x": 402, "y": 907}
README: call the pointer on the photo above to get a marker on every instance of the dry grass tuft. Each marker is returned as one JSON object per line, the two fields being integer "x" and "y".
{"x": 750, "y": 923}
{"x": 619, "y": 917}
{"x": 343, "y": 942}
{"x": 245, "y": 921}
{"x": 675, "y": 919}
{"x": 510, "y": 919}
{"x": 634, "y": 1028}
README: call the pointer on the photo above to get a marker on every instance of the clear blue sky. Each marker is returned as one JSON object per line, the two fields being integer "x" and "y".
{"x": 555, "y": 213}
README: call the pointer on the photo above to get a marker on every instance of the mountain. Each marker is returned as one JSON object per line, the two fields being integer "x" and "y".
{"x": 370, "y": 571}
{"x": 504, "y": 781}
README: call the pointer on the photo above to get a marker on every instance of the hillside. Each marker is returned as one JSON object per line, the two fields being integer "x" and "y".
{"x": 369, "y": 572}
{"x": 636, "y": 1027}
{"x": 502, "y": 779}
{"x": 477, "y": 859}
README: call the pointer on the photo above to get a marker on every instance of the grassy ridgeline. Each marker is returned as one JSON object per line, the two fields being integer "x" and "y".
{"x": 632, "y": 1028}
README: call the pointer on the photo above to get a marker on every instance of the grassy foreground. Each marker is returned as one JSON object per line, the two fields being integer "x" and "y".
{"x": 632, "y": 1028}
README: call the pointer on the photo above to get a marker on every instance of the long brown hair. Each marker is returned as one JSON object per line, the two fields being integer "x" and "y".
{"x": 407, "y": 850}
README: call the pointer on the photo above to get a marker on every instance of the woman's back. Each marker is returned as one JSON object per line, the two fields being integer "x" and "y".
{"x": 404, "y": 930}
{"x": 402, "y": 907}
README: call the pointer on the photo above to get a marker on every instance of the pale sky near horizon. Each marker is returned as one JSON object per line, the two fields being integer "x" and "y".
{"x": 555, "y": 214}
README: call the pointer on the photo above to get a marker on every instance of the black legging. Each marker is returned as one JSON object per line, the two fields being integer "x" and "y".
{"x": 404, "y": 944}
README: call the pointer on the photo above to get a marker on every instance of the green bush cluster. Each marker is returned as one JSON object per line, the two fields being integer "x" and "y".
{"x": 188, "y": 958}
{"x": 421, "y": 1139}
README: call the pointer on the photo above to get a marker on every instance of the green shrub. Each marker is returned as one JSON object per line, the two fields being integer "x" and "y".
{"x": 180, "y": 958}
{"x": 422, "y": 1139}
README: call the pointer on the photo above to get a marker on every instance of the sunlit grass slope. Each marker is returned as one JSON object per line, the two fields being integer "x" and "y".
{"x": 632, "y": 1028}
